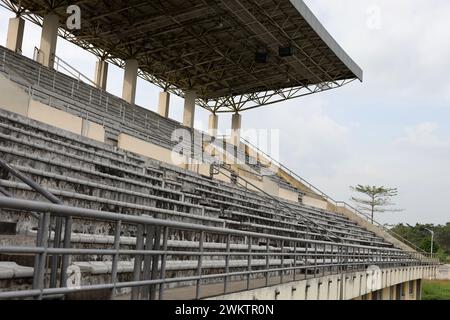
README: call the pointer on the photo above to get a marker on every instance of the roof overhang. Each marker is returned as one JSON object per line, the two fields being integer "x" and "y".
{"x": 209, "y": 46}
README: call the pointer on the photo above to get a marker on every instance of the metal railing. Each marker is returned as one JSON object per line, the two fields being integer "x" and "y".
{"x": 59, "y": 223}
{"x": 337, "y": 204}
{"x": 32, "y": 90}
{"x": 280, "y": 205}
{"x": 286, "y": 259}
{"x": 60, "y": 64}
{"x": 131, "y": 116}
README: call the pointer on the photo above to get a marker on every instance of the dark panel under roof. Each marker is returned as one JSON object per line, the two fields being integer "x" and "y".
{"x": 210, "y": 45}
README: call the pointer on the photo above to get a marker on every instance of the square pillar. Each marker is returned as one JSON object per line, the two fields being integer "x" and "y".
{"x": 130, "y": 80}
{"x": 189, "y": 108}
{"x": 49, "y": 39}
{"x": 101, "y": 74}
{"x": 164, "y": 104}
{"x": 14, "y": 39}
{"x": 213, "y": 125}
{"x": 236, "y": 122}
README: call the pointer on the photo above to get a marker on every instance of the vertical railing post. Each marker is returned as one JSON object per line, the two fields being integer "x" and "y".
{"x": 315, "y": 260}
{"x": 138, "y": 261}
{"x": 282, "y": 262}
{"x": 37, "y": 257}
{"x": 227, "y": 264}
{"x": 66, "y": 245}
{"x": 199, "y": 266}
{"x": 147, "y": 266}
{"x": 249, "y": 262}
{"x": 155, "y": 259}
{"x": 324, "y": 263}
{"x": 115, "y": 261}
{"x": 267, "y": 261}
{"x": 164, "y": 262}
{"x": 55, "y": 258}
{"x": 295, "y": 261}
{"x": 306, "y": 260}
{"x": 39, "y": 274}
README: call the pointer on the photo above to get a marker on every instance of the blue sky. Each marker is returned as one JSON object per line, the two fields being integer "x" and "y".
{"x": 392, "y": 129}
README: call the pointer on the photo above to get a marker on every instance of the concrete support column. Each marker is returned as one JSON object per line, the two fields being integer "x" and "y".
{"x": 14, "y": 39}
{"x": 213, "y": 125}
{"x": 49, "y": 39}
{"x": 419, "y": 289}
{"x": 101, "y": 74}
{"x": 189, "y": 108}
{"x": 164, "y": 104}
{"x": 130, "y": 80}
{"x": 236, "y": 122}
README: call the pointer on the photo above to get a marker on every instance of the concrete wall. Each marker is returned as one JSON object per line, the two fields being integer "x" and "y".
{"x": 54, "y": 117}
{"x": 370, "y": 227}
{"x": 93, "y": 130}
{"x": 16, "y": 100}
{"x": 288, "y": 195}
{"x": 443, "y": 272}
{"x": 314, "y": 202}
{"x": 147, "y": 149}
{"x": 348, "y": 286}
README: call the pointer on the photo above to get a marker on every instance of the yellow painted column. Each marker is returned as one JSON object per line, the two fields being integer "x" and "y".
{"x": 130, "y": 80}
{"x": 164, "y": 104}
{"x": 49, "y": 39}
{"x": 189, "y": 108}
{"x": 101, "y": 74}
{"x": 236, "y": 123}
{"x": 14, "y": 38}
{"x": 213, "y": 125}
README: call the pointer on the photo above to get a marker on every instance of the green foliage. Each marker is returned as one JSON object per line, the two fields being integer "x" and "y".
{"x": 420, "y": 236}
{"x": 436, "y": 290}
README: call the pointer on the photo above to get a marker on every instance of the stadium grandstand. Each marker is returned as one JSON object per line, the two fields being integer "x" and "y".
{"x": 96, "y": 204}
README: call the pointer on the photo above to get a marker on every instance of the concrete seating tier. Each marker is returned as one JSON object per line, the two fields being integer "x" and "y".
{"x": 78, "y": 176}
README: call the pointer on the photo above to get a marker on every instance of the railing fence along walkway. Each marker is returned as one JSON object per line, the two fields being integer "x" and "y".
{"x": 299, "y": 257}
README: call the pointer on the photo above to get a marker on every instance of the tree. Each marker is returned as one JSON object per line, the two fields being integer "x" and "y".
{"x": 378, "y": 199}
{"x": 420, "y": 236}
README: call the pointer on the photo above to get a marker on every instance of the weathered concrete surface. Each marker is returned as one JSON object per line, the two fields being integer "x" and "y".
{"x": 443, "y": 272}
{"x": 336, "y": 287}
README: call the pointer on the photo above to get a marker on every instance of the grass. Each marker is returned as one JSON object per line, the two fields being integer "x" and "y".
{"x": 436, "y": 290}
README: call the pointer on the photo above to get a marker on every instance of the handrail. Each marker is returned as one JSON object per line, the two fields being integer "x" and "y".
{"x": 58, "y": 223}
{"x": 60, "y": 63}
{"x": 394, "y": 234}
{"x": 277, "y": 201}
{"x": 330, "y": 199}
{"x": 347, "y": 257}
{"x": 303, "y": 181}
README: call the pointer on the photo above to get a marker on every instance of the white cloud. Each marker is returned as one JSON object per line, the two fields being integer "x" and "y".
{"x": 361, "y": 133}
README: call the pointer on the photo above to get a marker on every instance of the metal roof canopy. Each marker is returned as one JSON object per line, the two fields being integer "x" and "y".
{"x": 209, "y": 46}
